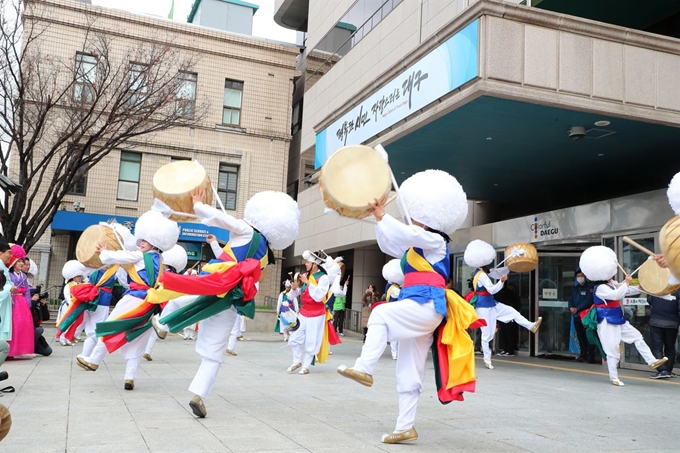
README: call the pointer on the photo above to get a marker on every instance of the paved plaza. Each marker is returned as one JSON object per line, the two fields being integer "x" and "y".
{"x": 525, "y": 404}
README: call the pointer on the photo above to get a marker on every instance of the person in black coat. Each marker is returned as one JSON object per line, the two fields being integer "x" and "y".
{"x": 663, "y": 327}
{"x": 40, "y": 313}
{"x": 580, "y": 301}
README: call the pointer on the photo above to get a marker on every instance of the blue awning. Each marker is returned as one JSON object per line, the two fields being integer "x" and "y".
{"x": 78, "y": 221}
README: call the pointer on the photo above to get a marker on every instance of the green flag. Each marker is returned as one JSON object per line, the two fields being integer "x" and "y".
{"x": 172, "y": 10}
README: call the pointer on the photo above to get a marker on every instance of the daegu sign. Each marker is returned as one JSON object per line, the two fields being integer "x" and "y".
{"x": 446, "y": 68}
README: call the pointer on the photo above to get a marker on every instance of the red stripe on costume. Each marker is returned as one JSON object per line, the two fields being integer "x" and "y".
{"x": 423, "y": 278}
{"x": 247, "y": 271}
{"x": 483, "y": 293}
{"x": 455, "y": 393}
{"x": 477, "y": 324}
{"x": 114, "y": 342}
{"x": 609, "y": 304}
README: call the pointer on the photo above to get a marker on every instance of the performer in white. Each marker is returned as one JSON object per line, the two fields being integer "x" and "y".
{"x": 74, "y": 273}
{"x": 236, "y": 335}
{"x": 598, "y": 263}
{"x": 270, "y": 220}
{"x": 154, "y": 234}
{"x": 437, "y": 205}
{"x": 394, "y": 276}
{"x": 174, "y": 260}
{"x": 287, "y": 309}
{"x": 321, "y": 271}
{"x": 479, "y": 255}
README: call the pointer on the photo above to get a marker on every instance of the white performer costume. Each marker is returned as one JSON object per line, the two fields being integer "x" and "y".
{"x": 598, "y": 264}
{"x": 72, "y": 269}
{"x": 312, "y": 315}
{"x": 394, "y": 276}
{"x": 435, "y": 200}
{"x": 236, "y": 334}
{"x": 477, "y": 255}
{"x": 285, "y": 301}
{"x": 161, "y": 233}
{"x": 276, "y": 216}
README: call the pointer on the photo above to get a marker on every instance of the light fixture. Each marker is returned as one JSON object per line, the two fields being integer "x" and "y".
{"x": 600, "y": 155}
{"x": 495, "y": 185}
{"x": 602, "y": 123}
{"x": 489, "y": 138}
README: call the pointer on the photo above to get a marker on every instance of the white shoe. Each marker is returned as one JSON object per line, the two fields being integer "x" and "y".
{"x": 488, "y": 364}
{"x": 617, "y": 382}
{"x": 394, "y": 357}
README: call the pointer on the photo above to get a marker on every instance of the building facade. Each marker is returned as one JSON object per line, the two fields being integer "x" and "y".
{"x": 559, "y": 119}
{"x": 245, "y": 85}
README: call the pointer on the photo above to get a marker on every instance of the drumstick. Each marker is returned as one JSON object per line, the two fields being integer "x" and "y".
{"x": 400, "y": 201}
{"x": 628, "y": 240}
{"x": 636, "y": 270}
{"x": 622, "y": 269}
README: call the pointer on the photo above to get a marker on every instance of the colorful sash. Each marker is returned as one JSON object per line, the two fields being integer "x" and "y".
{"x": 229, "y": 283}
{"x": 125, "y": 327}
{"x": 85, "y": 296}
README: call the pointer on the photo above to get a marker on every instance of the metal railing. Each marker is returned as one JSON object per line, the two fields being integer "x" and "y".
{"x": 353, "y": 321}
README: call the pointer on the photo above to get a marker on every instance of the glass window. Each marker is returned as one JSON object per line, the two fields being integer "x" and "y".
{"x": 227, "y": 185}
{"x": 185, "y": 102}
{"x": 233, "y": 97}
{"x": 80, "y": 180}
{"x": 128, "y": 175}
{"x": 138, "y": 84}
{"x": 86, "y": 77}
{"x": 296, "y": 121}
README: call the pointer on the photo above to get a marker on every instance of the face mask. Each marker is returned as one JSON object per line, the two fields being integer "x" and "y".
{"x": 581, "y": 280}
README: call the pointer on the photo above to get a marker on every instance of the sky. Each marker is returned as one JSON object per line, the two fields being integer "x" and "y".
{"x": 263, "y": 21}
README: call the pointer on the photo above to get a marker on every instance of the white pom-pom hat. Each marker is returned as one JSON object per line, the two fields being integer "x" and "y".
{"x": 598, "y": 263}
{"x": 392, "y": 272}
{"x": 435, "y": 199}
{"x": 274, "y": 214}
{"x": 157, "y": 230}
{"x": 73, "y": 269}
{"x": 312, "y": 257}
{"x": 479, "y": 253}
{"x": 176, "y": 258}
{"x": 674, "y": 194}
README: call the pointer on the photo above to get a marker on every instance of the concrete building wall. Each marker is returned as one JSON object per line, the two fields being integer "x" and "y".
{"x": 259, "y": 144}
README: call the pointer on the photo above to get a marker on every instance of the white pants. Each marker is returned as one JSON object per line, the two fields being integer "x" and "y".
{"x": 310, "y": 333}
{"x": 131, "y": 351}
{"x": 412, "y": 324}
{"x": 611, "y": 336}
{"x": 236, "y": 332}
{"x": 90, "y": 321}
{"x": 212, "y": 338}
{"x": 150, "y": 343}
{"x": 394, "y": 346}
{"x": 502, "y": 313}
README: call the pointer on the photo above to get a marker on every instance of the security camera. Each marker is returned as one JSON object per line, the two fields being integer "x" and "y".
{"x": 576, "y": 133}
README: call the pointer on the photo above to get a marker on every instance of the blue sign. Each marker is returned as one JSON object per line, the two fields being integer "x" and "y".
{"x": 79, "y": 221}
{"x": 453, "y": 63}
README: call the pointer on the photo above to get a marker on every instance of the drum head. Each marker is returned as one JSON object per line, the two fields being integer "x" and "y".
{"x": 179, "y": 177}
{"x": 354, "y": 175}
{"x": 653, "y": 278}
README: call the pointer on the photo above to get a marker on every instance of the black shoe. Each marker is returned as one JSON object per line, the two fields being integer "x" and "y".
{"x": 661, "y": 375}
{"x": 580, "y": 360}
{"x": 673, "y": 375}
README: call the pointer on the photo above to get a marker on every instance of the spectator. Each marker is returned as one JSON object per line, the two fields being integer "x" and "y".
{"x": 580, "y": 301}
{"x": 38, "y": 308}
{"x": 5, "y": 292}
{"x": 508, "y": 337}
{"x": 340, "y": 293}
{"x": 370, "y": 297}
{"x": 663, "y": 325}
{"x": 22, "y": 343}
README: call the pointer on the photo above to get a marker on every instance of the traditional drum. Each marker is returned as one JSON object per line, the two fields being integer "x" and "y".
{"x": 92, "y": 236}
{"x": 351, "y": 178}
{"x": 669, "y": 240}
{"x": 521, "y": 262}
{"x": 654, "y": 279}
{"x": 173, "y": 182}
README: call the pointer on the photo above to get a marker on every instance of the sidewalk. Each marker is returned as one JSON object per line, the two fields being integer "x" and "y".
{"x": 525, "y": 404}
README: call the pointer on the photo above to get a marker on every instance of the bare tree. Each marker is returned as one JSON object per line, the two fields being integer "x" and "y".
{"x": 59, "y": 117}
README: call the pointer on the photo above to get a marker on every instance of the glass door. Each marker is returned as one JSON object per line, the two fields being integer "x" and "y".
{"x": 635, "y": 308}
{"x": 554, "y": 284}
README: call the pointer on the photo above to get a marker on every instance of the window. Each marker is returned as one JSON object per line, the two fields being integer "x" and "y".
{"x": 186, "y": 95}
{"x": 227, "y": 184}
{"x": 233, "y": 95}
{"x": 128, "y": 175}
{"x": 138, "y": 84}
{"x": 296, "y": 121}
{"x": 86, "y": 77}
{"x": 175, "y": 159}
{"x": 80, "y": 176}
